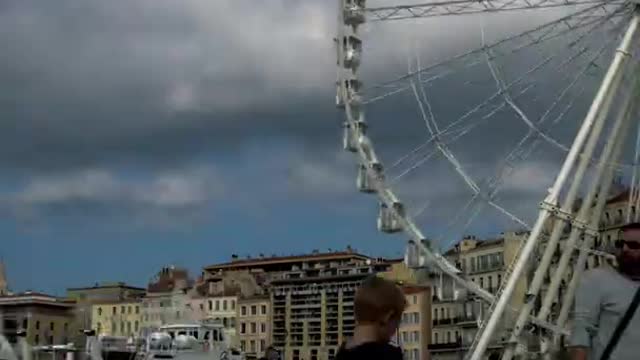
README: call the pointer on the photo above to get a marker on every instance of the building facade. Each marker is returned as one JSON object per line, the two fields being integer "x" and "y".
{"x": 456, "y": 313}
{"x": 85, "y": 297}
{"x": 119, "y": 318}
{"x": 414, "y": 333}
{"x": 47, "y": 320}
{"x": 254, "y": 325}
{"x": 313, "y": 311}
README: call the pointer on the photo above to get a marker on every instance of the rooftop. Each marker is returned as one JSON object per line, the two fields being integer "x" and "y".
{"x": 109, "y": 285}
{"x": 34, "y": 298}
{"x": 261, "y": 261}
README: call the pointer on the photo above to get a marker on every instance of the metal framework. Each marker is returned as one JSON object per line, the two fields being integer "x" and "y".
{"x": 557, "y": 206}
{"x": 464, "y": 7}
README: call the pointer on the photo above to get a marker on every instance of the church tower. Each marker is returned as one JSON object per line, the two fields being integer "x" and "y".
{"x": 3, "y": 280}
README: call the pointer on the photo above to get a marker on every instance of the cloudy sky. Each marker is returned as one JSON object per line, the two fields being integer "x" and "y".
{"x": 140, "y": 133}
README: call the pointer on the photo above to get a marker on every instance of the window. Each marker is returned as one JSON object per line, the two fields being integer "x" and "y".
{"x": 66, "y": 327}
{"x": 99, "y": 311}
{"x": 129, "y": 309}
{"x": 263, "y": 309}
{"x": 233, "y": 304}
{"x": 243, "y": 345}
{"x": 225, "y": 322}
{"x": 224, "y": 305}
{"x": 405, "y": 337}
{"x": 448, "y": 337}
{"x": 415, "y": 354}
{"x": 113, "y": 327}
{"x": 135, "y": 326}
{"x": 254, "y": 310}
{"x": 416, "y": 318}
{"x": 442, "y": 313}
{"x": 129, "y": 327}
{"x": 457, "y": 336}
{"x": 201, "y": 306}
{"x": 435, "y": 314}
{"x": 37, "y": 339}
{"x": 51, "y": 326}
{"x": 416, "y": 336}
{"x": 137, "y": 309}
{"x": 262, "y": 345}
{"x": 232, "y": 322}
{"x": 115, "y": 311}
{"x": 217, "y": 305}
{"x": 210, "y": 305}
{"x": 490, "y": 282}
{"x": 499, "y": 280}
{"x": 122, "y": 327}
{"x": 50, "y": 339}
{"x": 253, "y": 345}
{"x": 481, "y": 282}
{"x": 435, "y": 338}
{"x": 243, "y": 328}
{"x": 99, "y": 328}
{"x": 415, "y": 299}
{"x": 122, "y": 310}
{"x": 243, "y": 310}
{"x": 253, "y": 328}
{"x": 25, "y": 324}
{"x": 263, "y": 327}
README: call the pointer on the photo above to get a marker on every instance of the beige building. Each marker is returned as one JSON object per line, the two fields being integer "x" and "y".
{"x": 85, "y": 297}
{"x": 455, "y": 313}
{"x": 118, "y": 318}
{"x": 414, "y": 333}
{"x": 47, "y": 320}
{"x": 254, "y": 325}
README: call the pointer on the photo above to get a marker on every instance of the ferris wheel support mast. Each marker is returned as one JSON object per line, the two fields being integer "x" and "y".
{"x": 599, "y": 109}
{"x": 587, "y": 215}
{"x": 630, "y": 107}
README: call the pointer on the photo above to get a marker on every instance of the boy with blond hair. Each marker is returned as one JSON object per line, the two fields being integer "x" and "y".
{"x": 379, "y": 305}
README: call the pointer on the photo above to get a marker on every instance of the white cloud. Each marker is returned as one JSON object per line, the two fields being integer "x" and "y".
{"x": 175, "y": 190}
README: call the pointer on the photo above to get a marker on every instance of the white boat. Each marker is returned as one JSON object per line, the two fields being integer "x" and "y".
{"x": 197, "y": 341}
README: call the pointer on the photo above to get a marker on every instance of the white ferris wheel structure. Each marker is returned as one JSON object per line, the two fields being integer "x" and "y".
{"x": 575, "y": 200}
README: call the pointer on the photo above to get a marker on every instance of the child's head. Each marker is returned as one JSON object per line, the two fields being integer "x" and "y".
{"x": 380, "y": 303}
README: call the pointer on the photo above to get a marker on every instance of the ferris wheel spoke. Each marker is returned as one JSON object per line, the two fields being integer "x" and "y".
{"x": 457, "y": 133}
{"x": 465, "y": 7}
{"x": 518, "y": 154}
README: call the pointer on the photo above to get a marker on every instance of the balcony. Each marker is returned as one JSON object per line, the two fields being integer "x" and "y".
{"x": 467, "y": 321}
{"x": 437, "y": 322}
{"x": 445, "y": 346}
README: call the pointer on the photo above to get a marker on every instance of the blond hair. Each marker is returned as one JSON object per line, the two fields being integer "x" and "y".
{"x": 377, "y": 298}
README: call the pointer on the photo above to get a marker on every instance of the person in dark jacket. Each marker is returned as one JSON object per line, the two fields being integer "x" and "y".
{"x": 379, "y": 305}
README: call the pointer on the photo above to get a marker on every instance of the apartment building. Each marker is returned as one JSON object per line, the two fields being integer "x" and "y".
{"x": 167, "y": 300}
{"x": 254, "y": 325}
{"x": 455, "y": 313}
{"x": 414, "y": 333}
{"x": 118, "y": 318}
{"x": 313, "y": 308}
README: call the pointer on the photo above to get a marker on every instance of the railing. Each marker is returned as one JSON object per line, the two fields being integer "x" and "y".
{"x": 445, "y": 346}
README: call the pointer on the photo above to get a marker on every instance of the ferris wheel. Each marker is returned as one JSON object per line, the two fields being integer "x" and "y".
{"x": 544, "y": 79}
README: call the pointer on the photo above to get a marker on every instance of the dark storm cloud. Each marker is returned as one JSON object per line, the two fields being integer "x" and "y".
{"x": 160, "y": 86}
{"x": 158, "y": 81}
